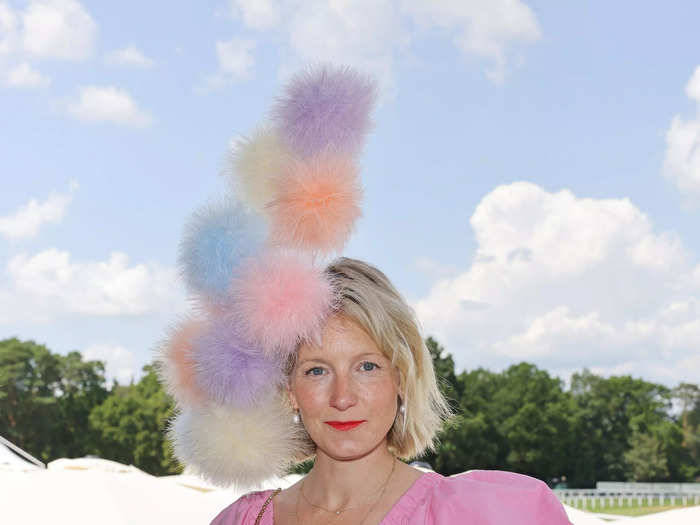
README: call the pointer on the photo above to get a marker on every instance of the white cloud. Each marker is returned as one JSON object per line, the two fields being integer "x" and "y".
{"x": 59, "y": 29}
{"x": 24, "y": 75}
{"x": 235, "y": 58}
{"x": 108, "y": 104}
{"x": 260, "y": 14}
{"x": 120, "y": 363}
{"x": 45, "y": 29}
{"x": 482, "y": 28}
{"x": 8, "y": 29}
{"x": 129, "y": 56}
{"x": 28, "y": 219}
{"x": 682, "y": 159}
{"x": 373, "y": 34}
{"x": 569, "y": 282}
{"x": 49, "y": 285}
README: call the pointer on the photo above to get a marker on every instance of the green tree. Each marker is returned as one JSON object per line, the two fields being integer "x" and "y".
{"x": 646, "y": 459}
{"x": 46, "y": 398}
{"x": 29, "y": 375}
{"x": 516, "y": 420}
{"x": 131, "y": 425}
{"x": 688, "y": 397}
{"x": 531, "y": 413}
{"x": 444, "y": 366}
{"x": 607, "y": 413}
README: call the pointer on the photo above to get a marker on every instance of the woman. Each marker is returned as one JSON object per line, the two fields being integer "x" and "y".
{"x": 366, "y": 394}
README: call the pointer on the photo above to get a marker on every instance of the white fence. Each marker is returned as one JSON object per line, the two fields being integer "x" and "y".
{"x": 599, "y": 500}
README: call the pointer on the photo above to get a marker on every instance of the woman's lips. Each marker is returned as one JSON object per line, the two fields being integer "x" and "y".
{"x": 344, "y": 425}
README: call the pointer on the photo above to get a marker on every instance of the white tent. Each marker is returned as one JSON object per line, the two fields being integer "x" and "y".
{"x": 91, "y": 490}
{"x": 14, "y": 458}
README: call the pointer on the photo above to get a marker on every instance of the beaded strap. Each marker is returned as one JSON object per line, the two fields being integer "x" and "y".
{"x": 267, "y": 502}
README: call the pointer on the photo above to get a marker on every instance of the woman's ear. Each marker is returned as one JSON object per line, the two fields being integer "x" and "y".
{"x": 290, "y": 395}
{"x": 397, "y": 378}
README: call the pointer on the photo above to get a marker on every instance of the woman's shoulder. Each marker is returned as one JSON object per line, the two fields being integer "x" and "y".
{"x": 502, "y": 497}
{"x": 244, "y": 510}
{"x": 487, "y": 497}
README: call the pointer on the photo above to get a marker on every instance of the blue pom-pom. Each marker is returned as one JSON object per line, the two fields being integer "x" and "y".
{"x": 216, "y": 240}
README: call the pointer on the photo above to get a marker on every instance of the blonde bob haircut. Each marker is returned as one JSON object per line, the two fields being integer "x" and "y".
{"x": 367, "y": 297}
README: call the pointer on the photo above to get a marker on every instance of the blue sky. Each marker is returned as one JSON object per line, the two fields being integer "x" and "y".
{"x": 531, "y": 183}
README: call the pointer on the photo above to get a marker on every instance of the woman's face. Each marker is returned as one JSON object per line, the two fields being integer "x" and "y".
{"x": 346, "y": 391}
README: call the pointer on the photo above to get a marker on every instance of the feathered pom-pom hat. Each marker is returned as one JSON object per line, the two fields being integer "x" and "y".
{"x": 251, "y": 264}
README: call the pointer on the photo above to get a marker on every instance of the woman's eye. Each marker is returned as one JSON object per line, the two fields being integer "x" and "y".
{"x": 315, "y": 371}
{"x": 368, "y": 366}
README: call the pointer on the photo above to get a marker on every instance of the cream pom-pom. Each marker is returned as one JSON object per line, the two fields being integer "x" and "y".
{"x": 255, "y": 164}
{"x": 233, "y": 447}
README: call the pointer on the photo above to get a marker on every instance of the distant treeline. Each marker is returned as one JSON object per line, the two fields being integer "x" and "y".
{"x": 522, "y": 419}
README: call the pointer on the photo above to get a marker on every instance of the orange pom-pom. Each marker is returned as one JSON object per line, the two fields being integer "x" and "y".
{"x": 317, "y": 204}
{"x": 176, "y": 366}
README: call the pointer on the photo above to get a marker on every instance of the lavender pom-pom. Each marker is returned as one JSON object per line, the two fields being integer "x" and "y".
{"x": 216, "y": 240}
{"x": 231, "y": 371}
{"x": 325, "y": 108}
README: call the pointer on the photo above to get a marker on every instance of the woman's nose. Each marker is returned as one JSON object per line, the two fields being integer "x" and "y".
{"x": 343, "y": 395}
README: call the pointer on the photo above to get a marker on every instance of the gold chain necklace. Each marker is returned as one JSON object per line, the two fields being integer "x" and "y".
{"x": 338, "y": 512}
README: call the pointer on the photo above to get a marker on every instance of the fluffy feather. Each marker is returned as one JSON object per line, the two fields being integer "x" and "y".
{"x": 280, "y": 299}
{"x": 317, "y": 205}
{"x": 231, "y": 371}
{"x": 325, "y": 107}
{"x": 254, "y": 166}
{"x": 232, "y": 447}
{"x": 175, "y": 364}
{"x": 216, "y": 239}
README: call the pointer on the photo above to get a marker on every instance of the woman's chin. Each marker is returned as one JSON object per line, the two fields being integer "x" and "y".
{"x": 347, "y": 448}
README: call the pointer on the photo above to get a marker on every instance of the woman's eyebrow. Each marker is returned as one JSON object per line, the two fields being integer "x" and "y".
{"x": 353, "y": 357}
{"x": 312, "y": 359}
{"x": 373, "y": 354}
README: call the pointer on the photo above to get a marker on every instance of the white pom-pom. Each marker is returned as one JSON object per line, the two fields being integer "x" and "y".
{"x": 254, "y": 166}
{"x": 233, "y": 447}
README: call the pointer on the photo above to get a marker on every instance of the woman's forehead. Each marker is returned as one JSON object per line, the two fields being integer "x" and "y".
{"x": 340, "y": 337}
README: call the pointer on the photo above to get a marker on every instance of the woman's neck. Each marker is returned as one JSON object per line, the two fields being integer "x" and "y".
{"x": 337, "y": 484}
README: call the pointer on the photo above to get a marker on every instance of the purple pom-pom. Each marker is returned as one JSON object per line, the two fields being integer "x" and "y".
{"x": 325, "y": 108}
{"x": 231, "y": 371}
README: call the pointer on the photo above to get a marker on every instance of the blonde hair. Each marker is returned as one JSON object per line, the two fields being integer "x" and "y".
{"x": 367, "y": 297}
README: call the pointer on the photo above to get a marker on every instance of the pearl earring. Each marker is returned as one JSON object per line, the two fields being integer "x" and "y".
{"x": 402, "y": 409}
{"x": 296, "y": 418}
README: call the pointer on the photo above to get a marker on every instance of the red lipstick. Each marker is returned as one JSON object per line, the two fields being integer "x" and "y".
{"x": 344, "y": 425}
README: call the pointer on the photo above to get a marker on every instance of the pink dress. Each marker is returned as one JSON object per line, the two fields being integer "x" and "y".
{"x": 477, "y": 497}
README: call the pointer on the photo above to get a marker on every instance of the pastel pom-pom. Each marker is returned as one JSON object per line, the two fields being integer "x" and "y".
{"x": 231, "y": 371}
{"x": 317, "y": 204}
{"x": 175, "y": 364}
{"x": 325, "y": 107}
{"x": 279, "y": 300}
{"x": 217, "y": 238}
{"x": 233, "y": 447}
{"x": 254, "y": 166}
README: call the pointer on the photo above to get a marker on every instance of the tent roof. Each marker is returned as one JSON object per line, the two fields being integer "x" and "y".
{"x": 11, "y": 460}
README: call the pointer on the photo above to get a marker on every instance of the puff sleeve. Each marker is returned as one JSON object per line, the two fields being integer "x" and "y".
{"x": 244, "y": 510}
{"x": 478, "y": 497}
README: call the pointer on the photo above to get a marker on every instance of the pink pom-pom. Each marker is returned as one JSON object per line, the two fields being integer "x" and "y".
{"x": 176, "y": 365}
{"x": 317, "y": 204}
{"x": 280, "y": 299}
